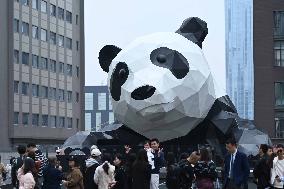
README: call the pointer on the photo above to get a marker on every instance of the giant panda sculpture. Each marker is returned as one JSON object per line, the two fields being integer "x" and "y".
{"x": 162, "y": 87}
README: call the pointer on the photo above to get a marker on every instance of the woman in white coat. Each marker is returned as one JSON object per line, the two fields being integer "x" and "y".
{"x": 104, "y": 175}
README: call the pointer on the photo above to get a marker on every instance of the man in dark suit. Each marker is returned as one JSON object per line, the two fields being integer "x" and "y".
{"x": 236, "y": 167}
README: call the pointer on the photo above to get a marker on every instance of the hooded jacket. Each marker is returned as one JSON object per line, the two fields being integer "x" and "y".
{"x": 91, "y": 166}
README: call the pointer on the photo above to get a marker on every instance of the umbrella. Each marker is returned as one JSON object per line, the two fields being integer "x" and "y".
{"x": 84, "y": 139}
{"x": 250, "y": 140}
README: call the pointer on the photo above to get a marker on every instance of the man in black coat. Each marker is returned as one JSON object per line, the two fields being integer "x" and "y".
{"x": 91, "y": 165}
{"x": 52, "y": 175}
{"x": 261, "y": 171}
{"x": 16, "y": 164}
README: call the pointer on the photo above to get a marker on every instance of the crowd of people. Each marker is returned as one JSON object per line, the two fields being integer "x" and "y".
{"x": 141, "y": 169}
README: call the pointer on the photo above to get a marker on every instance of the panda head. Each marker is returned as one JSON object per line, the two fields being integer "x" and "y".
{"x": 161, "y": 81}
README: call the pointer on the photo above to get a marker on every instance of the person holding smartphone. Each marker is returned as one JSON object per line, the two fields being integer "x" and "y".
{"x": 277, "y": 172}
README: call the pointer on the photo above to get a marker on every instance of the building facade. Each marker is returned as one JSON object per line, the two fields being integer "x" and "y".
{"x": 41, "y": 70}
{"x": 98, "y": 107}
{"x": 268, "y": 40}
{"x": 239, "y": 55}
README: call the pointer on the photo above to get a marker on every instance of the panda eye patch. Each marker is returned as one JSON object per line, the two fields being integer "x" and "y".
{"x": 118, "y": 78}
{"x": 170, "y": 59}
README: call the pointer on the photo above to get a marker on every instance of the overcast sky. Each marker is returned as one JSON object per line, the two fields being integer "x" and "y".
{"x": 120, "y": 21}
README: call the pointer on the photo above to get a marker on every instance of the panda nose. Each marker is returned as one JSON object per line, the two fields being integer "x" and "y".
{"x": 143, "y": 92}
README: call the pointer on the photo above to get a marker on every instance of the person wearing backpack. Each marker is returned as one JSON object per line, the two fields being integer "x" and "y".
{"x": 91, "y": 165}
{"x": 17, "y": 163}
{"x": 180, "y": 175}
{"x": 172, "y": 172}
{"x": 2, "y": 172}
{"x": 205, "y": 171}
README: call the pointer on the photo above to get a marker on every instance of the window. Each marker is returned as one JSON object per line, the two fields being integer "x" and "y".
{"x": 61, "y": 122}
{"x": 89, "y": 101}
{"x": 61, "y": 95}
{"x": 16, "y": 25}
{"x": 35, "y": 61}
{"x": 35, "y": 4}
{"x": 77, "y": 97}
{"x": 43, "y": 6}
{"x": 25, "y": 88}
{"x": 77, "y": 71}
{"x": 98, "y": 121}
{"x": 279, "y": 93}
{"x": 69, "y": 96}
{"x": 77, "y": 45}
{"x": 16, "y": 118}
{"x": 52, "y": 10}
{"x": 69, "y": 123}
{"x": 25, "y": 58}
{"x": 44, "y": 120}
{"x": 16, "y": 87}
{"x": 278, "y": 23}
{"x": 101, "y": 101}
{"x": 110, "y": 117}
{"x": 61, "y": 67}
{"x": 279, "y": 53}
{"x": 52, "y": 93}
{"x": 61, "y": 40}
{"x": 53, "y": 121}
{"x": 44, "y": 63}
{"x": 25, "y": 2}
{"x": 68, "y": 43}
{"x": 44, "y": 92}
{"x": 77, "y": 123}
{"x": 25, "y": 118}
{"x": 16, "y": 56}
{"x": 69, "y": 17}
{"x": 52, "y": 65}
{"x": 43, "y": 35}
{"x": 35, "y": 32}
{"x": 52, "y": 38}
{"x": 25, "y": 28}
{"x": 60, "y": 13}
{"x": 109, "y": 102}
{"x": 88, "y": 121}
{"x": 69, "y": 69}
{"x": 35, "y": 90}
{"x": 77, "y": 19}
{"x": 35, "y": 119}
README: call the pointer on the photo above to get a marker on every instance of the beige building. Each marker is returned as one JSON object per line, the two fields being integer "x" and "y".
{"x": 41, "y": 71}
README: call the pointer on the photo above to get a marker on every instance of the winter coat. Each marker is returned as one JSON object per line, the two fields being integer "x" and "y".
{"x": 120, "y": 178}
{"x": 52, "y": 178}
{"x": 91, "y": 166}
{"x": 205, "y": 173}
{"x": 26, "y": 181}
{"x": 2, "y": 171}
{"x": 141, "y": 175}
{"x": 75, "y": 179}
{"x": 102, "y": 179}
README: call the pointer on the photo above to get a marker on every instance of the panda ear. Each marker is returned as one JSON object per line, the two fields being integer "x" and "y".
{"x": 194, "y": 29}
{"x": 106, "y": 55}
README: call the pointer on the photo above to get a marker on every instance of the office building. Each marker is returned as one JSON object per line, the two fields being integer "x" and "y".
{"x": 98, "y": 108}
{"x": 239, "y": 55}
{"x": 41, "y": 71}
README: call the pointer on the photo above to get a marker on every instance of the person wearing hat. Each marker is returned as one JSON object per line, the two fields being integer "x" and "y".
{"x": 74, "y": 179}
{"x": 91, "y": 165}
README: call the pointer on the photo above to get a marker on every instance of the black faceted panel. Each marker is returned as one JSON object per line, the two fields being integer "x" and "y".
{"x": 106, "y": 55}
{"x": 194, "y": 29}
{"x": 118, "y": 78}
{"x": 172, "y": 60}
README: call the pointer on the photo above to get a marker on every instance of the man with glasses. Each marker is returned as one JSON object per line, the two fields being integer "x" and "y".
{"x": 277, "y": 172}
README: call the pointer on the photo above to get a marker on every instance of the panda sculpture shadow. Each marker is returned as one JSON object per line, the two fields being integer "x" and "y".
{"x": 162, "y": 87}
